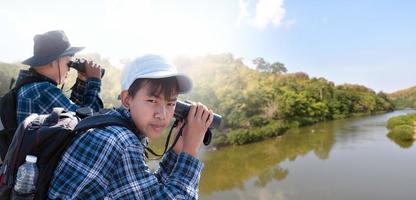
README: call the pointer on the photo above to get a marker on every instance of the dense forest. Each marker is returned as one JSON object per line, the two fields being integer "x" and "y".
{"x": 256, "y": 103}
{"x": 404, "y": 98}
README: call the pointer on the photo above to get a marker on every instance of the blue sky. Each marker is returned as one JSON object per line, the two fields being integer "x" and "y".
{"x": 368, "y": 42}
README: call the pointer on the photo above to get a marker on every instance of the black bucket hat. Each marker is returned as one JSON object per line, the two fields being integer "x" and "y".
{"x": 49, "y": 47}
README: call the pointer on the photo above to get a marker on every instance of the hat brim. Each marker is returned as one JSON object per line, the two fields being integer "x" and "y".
{"x": 35, "y": 61}
{"x": 71, "y": 51}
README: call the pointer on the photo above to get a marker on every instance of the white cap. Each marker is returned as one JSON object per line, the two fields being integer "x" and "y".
{"x": 31, "y": 159}
{"x": 153, "y": 66}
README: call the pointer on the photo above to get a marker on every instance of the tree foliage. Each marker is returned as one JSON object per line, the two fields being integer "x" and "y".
{"x": 255, "y": 103}
{"x": 263, "y": 66}
{"x": 404, "y": 98}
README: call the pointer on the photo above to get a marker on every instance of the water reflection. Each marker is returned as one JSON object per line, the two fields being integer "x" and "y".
{"x": 343, "y": 159}
{"x": 401, "y": 143}
{"x": 229, "y": 168}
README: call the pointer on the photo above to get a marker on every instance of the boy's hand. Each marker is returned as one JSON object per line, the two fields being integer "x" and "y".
{"x": 92, "y": 70}
{"x": 82, "y": 76}
{"x": 197, "y": 122}
{"x": 179, "y": 144}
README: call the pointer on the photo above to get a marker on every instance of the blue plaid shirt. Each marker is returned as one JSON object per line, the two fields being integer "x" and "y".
{"x": 109, "y": 163}
{"x": 42, "y": 97}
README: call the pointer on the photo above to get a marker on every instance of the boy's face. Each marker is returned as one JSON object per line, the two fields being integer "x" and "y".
{"x": 151, "y": 114}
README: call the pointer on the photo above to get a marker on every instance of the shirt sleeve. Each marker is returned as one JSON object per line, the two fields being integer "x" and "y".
{"x": 166, "y": 165}
{"x": 87, "y": 93}
{"x": 77, "y": 91}
{"x": 134, "y": 180}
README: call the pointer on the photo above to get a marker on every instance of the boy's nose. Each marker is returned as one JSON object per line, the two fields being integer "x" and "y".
{"x": 160, "y": 113}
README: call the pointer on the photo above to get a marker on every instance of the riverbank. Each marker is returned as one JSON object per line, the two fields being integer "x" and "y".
{"x": 265, "y": 131}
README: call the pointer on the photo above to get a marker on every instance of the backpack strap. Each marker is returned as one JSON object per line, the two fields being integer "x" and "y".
{"x": 103, "y": 120}
{"x": 31, "y": 79}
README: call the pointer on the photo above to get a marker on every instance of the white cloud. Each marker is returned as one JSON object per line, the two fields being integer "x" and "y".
{"x": 243, "y": 11}
{"x": 267, "y": 12}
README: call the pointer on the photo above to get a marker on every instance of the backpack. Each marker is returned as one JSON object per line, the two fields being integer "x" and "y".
{"x": 47, "y": 136}
{"x": 8, "y": 116}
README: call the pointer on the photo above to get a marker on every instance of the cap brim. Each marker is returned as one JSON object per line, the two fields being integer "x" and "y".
{"x": 184, "y": 82}
{"x": 35, "y": 61}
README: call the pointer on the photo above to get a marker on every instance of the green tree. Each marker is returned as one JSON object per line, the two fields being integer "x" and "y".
{"x": 263, "y": 66}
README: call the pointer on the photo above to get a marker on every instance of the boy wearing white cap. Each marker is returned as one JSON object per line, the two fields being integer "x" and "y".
{"x": 110, "y": 162}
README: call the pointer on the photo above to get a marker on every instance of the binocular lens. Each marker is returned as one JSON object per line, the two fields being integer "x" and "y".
{"x": 182, "y": 109}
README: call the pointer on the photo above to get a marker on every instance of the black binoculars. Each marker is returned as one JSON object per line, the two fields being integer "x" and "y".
{"x": 182, "y": 109}
{"x": 79, "y": 65}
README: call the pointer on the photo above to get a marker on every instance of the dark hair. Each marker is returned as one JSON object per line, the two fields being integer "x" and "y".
{"x": 168, "y": 86}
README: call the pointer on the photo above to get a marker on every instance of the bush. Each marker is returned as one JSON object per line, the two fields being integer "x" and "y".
{"x": 401, "y": 120}
{"x": 258, "y": 121}
{"x": 402, "y": 133}
{"x": 244, "y": 136}
{"x": 220, "y": 140}
{"x": 240, "y": 136}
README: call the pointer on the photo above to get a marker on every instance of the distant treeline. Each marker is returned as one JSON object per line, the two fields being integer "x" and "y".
{"x": 404, "y": 98}
{"x": 256, "y": 103}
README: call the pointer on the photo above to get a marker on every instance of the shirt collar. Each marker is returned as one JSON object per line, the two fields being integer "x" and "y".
{"x": 127, "y": 115}
{"x": 31, "y": 72}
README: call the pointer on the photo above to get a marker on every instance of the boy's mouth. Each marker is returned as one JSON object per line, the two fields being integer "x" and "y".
{"x": 157, "y": 127}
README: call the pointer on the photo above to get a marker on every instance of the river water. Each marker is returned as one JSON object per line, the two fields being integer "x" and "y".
{"x": 336, "y": 160}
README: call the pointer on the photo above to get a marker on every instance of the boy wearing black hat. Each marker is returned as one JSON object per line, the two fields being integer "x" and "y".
{"x": 52, "y": 53}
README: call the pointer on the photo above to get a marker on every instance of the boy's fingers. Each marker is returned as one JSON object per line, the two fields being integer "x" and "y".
{"x": 205, "y": 114}
{"x": 210, "y": 118}
{"x": 192, "y": 110}
{"x": 200, "y": 111}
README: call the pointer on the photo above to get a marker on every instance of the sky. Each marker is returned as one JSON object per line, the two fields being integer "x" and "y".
{"x": 367, "y": 42}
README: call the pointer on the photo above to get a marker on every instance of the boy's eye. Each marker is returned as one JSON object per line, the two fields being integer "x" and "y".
{"x": 151, "y": 100}
{"x": 172, "y": 104}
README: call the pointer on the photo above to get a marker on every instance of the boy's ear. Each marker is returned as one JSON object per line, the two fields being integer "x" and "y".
{"x": 124, "y": 97}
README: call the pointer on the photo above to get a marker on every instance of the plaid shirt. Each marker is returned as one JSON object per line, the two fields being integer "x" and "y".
{"x": 109, "y": 163}
{"x": 42, "y": 97}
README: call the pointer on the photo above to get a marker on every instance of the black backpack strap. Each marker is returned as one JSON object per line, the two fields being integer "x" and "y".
{"x": 103, "y": 120}
{"x": 30, "y": 79}
{"x": 99, "y": 121}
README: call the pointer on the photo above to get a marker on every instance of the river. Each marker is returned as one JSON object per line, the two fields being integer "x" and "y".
{"x": 336, "y": 160}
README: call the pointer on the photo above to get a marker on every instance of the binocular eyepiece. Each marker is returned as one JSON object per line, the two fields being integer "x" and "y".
{"x": 79, "y": 65}
{"x": 182, "y": 110}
